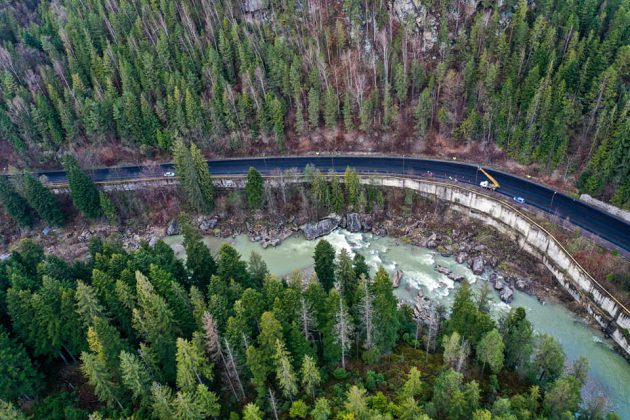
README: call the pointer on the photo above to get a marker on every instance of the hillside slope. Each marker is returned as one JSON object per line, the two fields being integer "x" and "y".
{"x": 544, "y": 84}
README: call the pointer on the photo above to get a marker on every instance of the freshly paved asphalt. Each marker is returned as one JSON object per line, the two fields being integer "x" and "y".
{"x": 606, "y": 226}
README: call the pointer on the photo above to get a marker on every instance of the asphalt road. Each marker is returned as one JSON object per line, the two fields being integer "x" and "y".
{"x": 606, "y": 226}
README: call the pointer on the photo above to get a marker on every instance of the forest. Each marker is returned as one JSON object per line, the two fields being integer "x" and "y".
{"x": 545, "y": 83}
{"x": 141, "y": 334}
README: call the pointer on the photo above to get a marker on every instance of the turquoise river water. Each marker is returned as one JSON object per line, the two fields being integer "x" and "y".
{"x": 609, "y": 373}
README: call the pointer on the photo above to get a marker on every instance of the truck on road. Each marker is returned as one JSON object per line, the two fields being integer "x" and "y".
{"x": 490, "y": 183}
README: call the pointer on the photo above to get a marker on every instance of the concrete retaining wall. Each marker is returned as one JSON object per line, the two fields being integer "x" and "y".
{"x": 610, "y": 314}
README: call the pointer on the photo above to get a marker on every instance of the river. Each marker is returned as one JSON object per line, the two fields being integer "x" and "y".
{"x": 609, "y": 373}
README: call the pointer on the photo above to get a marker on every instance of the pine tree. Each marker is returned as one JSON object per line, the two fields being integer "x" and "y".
{"x": 85, "y": 195}
{"x": 230, "y": 266}
{"x": 401, "y": 82}
{"x": 423, "y": 113}
{"x": 252, "y": 412}
{"x": 199, "y": 261}
{"x": 325, "y": 264}
{"x": 352, "y": 186}
{"x": 360, "y": 266}
{"x": 284, "y": 371}
{"x": 96, "y": 372}
{"x": 311, "y": 377}
{"x": 88, "y": 305}
{"x": 203, "y": 176}
{"x": 192, "y": 367}
{"x": 135, "y": 376}
{"x": 155, "y": 322}
{"x": 108, "y": 209}
{"x": 337, "y": 203}
{"x": 320, "y": 191}
{"x": 331, "y": 107}
{"x": 490, "y": 351}
{"x": 14, "y": 204}
{"x": 386, "y": 321}
{"x": 348, "y": 122}
{"x": 345, "y": 276}
{"x": 257, "y": 269}
{"x": 254, "y": 189}
{"x": 18, "y": 376}
{"x": 313, "y": 107}
{"x": 43, "y": 201}
{"x": 194, "y": 175}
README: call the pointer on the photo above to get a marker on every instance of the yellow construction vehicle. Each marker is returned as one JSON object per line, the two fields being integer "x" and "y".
{"x": 492, "y": 185}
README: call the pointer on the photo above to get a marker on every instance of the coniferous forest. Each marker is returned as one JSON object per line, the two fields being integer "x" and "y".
{"x": 544, "y": 82}
{"x": 142, "y": 335}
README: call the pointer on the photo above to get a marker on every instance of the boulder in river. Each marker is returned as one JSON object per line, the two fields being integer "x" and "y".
{"x": 442, "y": 270}
{"x": 173, "y": 228}
{"x": 397, "y": 278}
{"x": 353, "y": 222}
{"x": 477, "y": 265}
{"x": 456, "y": 277}
{"x": 499, "y": 285}
{"x": 507, "y": 294}
{"x": 321, "y": 228}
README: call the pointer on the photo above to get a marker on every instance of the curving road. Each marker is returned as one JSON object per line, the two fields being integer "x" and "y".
{"x": 606, "y": 226}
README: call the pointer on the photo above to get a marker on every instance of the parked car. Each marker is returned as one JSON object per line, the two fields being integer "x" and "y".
{"x": 169, "y": 174}
{"x": 519, "y": 200}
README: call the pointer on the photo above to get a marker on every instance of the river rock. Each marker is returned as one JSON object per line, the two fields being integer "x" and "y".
{"x": 499, "y": 285}
{"x": 430, "y": 242}
{"x": 366, "y": 223}
{"x": 397, "y": 278}
{"x": 461, "y": 257}
{"x": 521, "y": 284}
{"x": 442, "y": 270}
{"x": 173, "y": 228}
{"x": 353, "y": 222}
{"x": 270, "y": 242}
{"x": 492, "y": 260}
{"x": 477, "y": 265}
{"x": 207, "y": 223}
{"x": 422, "y": 308}
{"x": 321, "y": 228}
{"x": 456, "y": 277}
{"x": 506, "y": 295}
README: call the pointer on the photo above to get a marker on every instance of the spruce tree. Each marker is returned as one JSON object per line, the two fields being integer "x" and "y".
{"x": 337, "y": 202}
{"x": 345, "y": 276}
{"x": 43, "y": 201}
{"x": 83, "y": 190}
{"x": 313, "y": 107}
{"x": 386, "y": 321}
{"x": 18, "y": 376}
{"x": 254, "y": 189}
{"x": 14, "y": 204}
{"x": 108, "y": 208}
{"x": 331, "y": 107}
{"x": 352, "y": 186}
{"x": 325, "y": 264}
